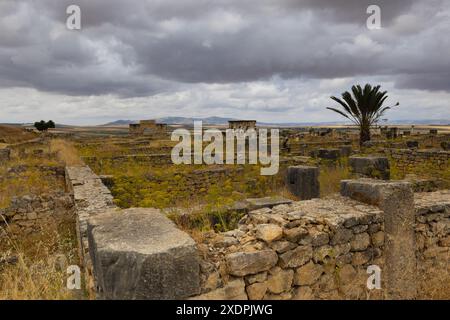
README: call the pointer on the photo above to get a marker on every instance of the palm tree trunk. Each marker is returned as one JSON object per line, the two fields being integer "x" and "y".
{"x": 364, "y": 134}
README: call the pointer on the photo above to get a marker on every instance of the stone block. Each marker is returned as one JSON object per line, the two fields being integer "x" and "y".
{"x": 345, "y": 151}
{"x": 268, "y": 232}
{"x": 412, "y": 144}
{"x": 280, "y": 280}
{"x": 141, "y": 254}
{"x": 396, "y": 200}
{"x": 303, "y": 182}
{"x": 308, "y": 274}
{"x": 370, "y": 166}
{"x": 245, "y": 263}
{"x": 296, "y": 257}
{"x": 329, "y": 154}
{"x": 256, "y": 291}
{"x": 266, "y": 202}
{"x": 303, "y": 293}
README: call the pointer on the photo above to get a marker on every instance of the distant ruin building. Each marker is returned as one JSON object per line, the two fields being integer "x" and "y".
{"x": 135, "y": 128}
{"x": 242, "y": 124}
{"x": 161, "y": 126}
{"x": 390, "y": 133}
{"x": 147, "y": 126}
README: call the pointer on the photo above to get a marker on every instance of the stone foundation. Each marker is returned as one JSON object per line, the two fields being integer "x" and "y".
{"x": 429, "y": 162}
{"x": 314, "y": 249}
{"x": 31, "y": 213}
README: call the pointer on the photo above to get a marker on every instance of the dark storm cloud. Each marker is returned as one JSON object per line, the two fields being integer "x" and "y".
{"x": 139, "y": 48}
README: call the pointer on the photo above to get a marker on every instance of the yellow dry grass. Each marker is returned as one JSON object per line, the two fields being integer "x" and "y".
{"x": 39, "y": 272}
{"x": 330, "y": 178}
{"x": 11, "y": 134}
{"x": 66, "y": 151}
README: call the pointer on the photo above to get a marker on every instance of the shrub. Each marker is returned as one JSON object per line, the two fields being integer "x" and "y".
{"x": 44, "y": 126}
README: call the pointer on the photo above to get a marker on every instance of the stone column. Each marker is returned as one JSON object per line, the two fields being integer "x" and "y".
{"x": 303, "y": 182}
{"x": 396, "y": 199}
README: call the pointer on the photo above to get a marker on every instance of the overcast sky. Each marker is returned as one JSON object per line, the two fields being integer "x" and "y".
{"x": 270, "y": 60}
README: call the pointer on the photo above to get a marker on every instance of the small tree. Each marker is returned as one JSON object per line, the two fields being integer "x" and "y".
{"x": 364, "y": 108}
{"x": 44, "y": 126}
{"x": 51, "y": 125}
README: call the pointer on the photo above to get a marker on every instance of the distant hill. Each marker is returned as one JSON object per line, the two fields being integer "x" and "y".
{"x": 224, "y": 121}
{"x": 119, "y": 123}
{"x": 175, "y": 120}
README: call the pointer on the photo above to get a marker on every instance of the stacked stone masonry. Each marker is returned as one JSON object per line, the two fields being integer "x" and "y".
{"x": 432, "y": 232}
{"x": 91, "y": 198}
{"x": 29, "y": 214}
{"x": 129, "y": 254}
{"x": 314, "y": 249}
{"x": 411, "y": 160}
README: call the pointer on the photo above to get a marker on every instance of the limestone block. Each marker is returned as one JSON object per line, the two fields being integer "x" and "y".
{"x": 141, "y": 254}
{"x": 266, "y": 202}
{"x": 329, "y": 154}
{"x": 280, "y": 280}
{"x": 296, "y": 257}
{"x": 303, "y": 293}
{"x": 245, "y": 263}
{"x": 268, "y": 232}
{"x": 308, "y": 274}
{"x": 256, "y": 291}
{"x": 303, "y": 182}
{"x": 360, "y": 242}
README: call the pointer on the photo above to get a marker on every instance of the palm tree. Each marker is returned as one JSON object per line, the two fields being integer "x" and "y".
{"x": 364, "y": 108}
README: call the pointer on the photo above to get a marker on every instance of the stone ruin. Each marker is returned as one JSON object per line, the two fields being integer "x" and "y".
{"x": 135, "y": 128}
{"x": 303, "y": 182}
{"x": 370, "y": 166}
{"x": 242, "y": 124}
{"x": 145, "y": 126}
{"x": 312, "y": 249}
{"x": 390, "y": 133}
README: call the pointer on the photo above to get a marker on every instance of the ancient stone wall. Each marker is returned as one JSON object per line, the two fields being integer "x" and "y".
{"x": 314, "y": 249}
{"x": 306, "y": 148}
{"x": 432, "y": 235}
{"x": 305, "y": 250}
{"x": 432, "y": 162}
{"x": 129, "y": 254}
{"x": 31, "y": 213}
{"x": 321, "y": 248}
{"x": 150, "y": 159}
{"x": 91, "y": 198}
